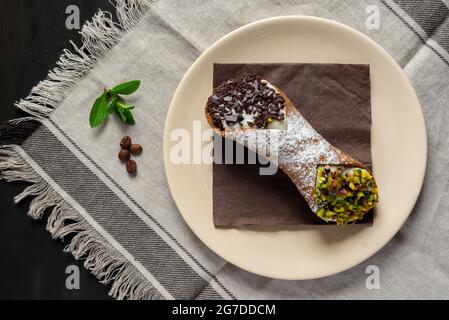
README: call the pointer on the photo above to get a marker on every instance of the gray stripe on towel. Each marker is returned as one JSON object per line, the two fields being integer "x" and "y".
{"x": 431, "y": 16}
{"x": 128, "y": 196}
{"x": 208, "y": 293}
{"x": 114, "y": 216}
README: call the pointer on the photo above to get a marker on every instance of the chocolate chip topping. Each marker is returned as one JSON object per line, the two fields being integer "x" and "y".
{"x": 236, "y": 98}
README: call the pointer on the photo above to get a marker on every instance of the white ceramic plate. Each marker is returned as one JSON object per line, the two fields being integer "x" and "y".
{"x": 399, "y": 150}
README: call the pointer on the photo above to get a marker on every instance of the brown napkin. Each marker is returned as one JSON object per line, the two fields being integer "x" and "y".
{"x": 335, "y": 99}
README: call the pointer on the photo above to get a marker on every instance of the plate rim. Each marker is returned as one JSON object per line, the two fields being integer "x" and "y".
{"x": 420, "y": 172}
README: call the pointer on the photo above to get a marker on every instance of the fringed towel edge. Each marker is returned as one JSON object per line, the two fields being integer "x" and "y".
{"x": 99, "y": 36}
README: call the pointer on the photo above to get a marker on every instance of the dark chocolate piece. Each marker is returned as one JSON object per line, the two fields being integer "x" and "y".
{"x": 246, "y": 95}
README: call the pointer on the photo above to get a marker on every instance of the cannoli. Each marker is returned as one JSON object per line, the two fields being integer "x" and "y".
{"x": 254, "y": 112}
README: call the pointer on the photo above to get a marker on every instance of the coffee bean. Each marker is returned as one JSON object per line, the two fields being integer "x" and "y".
{"x": 131, "y": 166}
{"x": 125, "y": 143}
{"x": 135, "y": 149}
{"x": 124, "y": 155}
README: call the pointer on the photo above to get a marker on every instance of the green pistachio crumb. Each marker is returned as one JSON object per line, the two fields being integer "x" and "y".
{"x": 344, "y": 194}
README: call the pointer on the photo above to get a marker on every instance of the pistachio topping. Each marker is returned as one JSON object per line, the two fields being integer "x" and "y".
{"x": 344, "y": 194}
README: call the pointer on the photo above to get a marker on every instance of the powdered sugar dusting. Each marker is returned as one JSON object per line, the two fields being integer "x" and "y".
{"x": 297, "y": 151}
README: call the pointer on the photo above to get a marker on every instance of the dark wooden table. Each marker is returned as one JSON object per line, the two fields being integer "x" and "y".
{"x": 33, "y": 34}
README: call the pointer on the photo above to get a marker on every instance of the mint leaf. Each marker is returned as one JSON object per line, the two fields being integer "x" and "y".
{"x": 110, "y": 102}
{"x": 128, "y": 116}
{"x": 125, "y": 88}
{"x": 99, "y": 111}
{"x": 119, "y": 112}
{"x": 111, "y": 105}
{"x": 124, "y": 111}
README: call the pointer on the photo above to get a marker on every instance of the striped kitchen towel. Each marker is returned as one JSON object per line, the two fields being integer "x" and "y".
{"x": 128, "y": 229}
